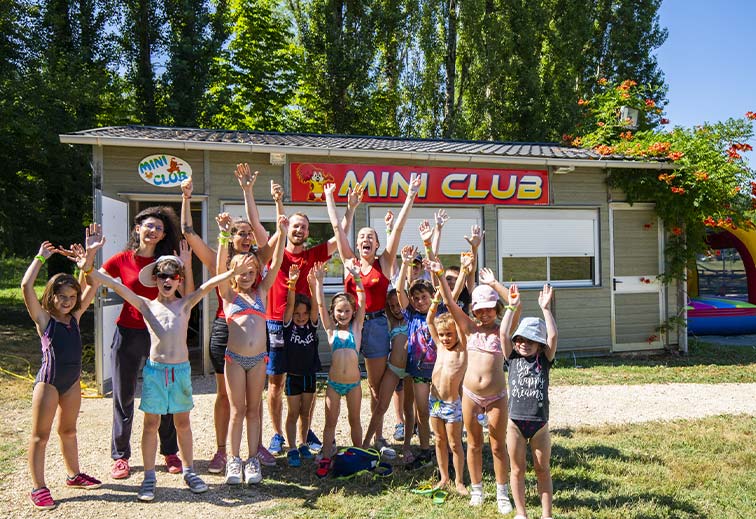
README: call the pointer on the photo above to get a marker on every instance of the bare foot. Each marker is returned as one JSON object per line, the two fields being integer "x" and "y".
{"x": 462, "y": 489}
{"x": 441, "y": 484}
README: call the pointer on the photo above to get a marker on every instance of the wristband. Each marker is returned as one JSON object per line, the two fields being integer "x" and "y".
{"x": 41, "y": 258}
{"x": 360, "y": 290}
{"x": 222, "y": 240}
{"x": 225, "y": 234}
{"x": 292, "y": 286}
{"x": 439, "y": 273}
{"x": 187, "y": 197}
{"x": 427, "y": 243}
{"x": 89, "y": 270}
{"x": 510, "y": 307}
{"x": 435, "y": 301}
{"x": 388, "y": 231}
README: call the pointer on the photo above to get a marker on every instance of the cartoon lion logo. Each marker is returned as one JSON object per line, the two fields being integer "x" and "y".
{"x": 315, "y": 179}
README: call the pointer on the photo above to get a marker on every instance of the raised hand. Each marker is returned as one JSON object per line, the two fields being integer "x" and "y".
{"x": 79, "y": 256}
{"x": 319, "y": 271}
{"x": 486, "y": 276}
{"x": 224, "y": 222}
{"x": 440, "y": 217}
{"x": 545, "y": 297}
{"x": 414, "y": 184}
{"x": 389, "y": 221}
{"x": 187, "y": 187}
{"x": 293, "y": 274}
{"x": 47, "y": 249}
{"x": 276, "y": 191}
{"x": 433, "y": 266}
{"x": 185, "y": 252}
{"x": 94, "y": 238}
{"x": 466, "y": 261}
{"x": 476, "y": 236}
{"x": 311, "y": 280}
{"x": 245, "y": 265}
{"x": 353, "y": 267}
{"x": 426, "y": 231}
{"x": 355, "y": 196}
{"x": 245, "y": 176}
{"x": 329, "y": 188}
{"x": 283, "y": 224}
{"x": 514, "y": 295}
{"x": 408, "y": 254}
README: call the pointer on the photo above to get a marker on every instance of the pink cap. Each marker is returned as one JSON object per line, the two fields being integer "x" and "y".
{"x": 484, "y": 297}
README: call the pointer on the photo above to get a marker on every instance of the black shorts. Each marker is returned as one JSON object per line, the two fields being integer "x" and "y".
{"x": 218, "y": 343}
{"x": 298, "y": 384}
{"x": 276, "y": 349}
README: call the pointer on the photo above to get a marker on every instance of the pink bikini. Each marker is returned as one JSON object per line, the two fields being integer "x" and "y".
{"x": 484, "y": 343}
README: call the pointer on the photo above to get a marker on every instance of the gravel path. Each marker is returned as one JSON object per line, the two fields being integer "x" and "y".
{"x": 571, "y": 406}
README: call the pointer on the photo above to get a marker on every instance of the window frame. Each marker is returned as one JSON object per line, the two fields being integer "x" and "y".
{"x": 589, "y": 213}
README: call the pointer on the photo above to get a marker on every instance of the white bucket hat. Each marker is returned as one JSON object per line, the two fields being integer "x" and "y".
{"x": 146, "y": 276}
{"x": 532, "y": 328}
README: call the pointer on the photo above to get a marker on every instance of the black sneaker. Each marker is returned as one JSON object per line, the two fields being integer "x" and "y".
{"x": 423, "y": 460}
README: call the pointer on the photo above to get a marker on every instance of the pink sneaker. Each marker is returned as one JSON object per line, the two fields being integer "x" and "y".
{"x": 173, "y": 464}
{"x": 218, "y": 463}
{"x": 82, "y": 480}
{"x": 120, "y": 469}
{"x": 265, "y": 457}
{"x": 41, "y": 499}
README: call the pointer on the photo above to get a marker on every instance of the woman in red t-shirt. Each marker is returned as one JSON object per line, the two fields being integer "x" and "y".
{"x": 155, "y": 233}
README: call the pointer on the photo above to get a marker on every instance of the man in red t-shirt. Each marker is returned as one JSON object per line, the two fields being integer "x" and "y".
{"x": 295, "y": 253}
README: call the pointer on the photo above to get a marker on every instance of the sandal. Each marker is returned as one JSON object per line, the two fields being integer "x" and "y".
{"x": 439, "y": 497}
{"x": 424, "y": 490}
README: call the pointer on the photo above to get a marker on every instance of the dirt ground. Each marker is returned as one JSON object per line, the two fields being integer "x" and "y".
{"x": 571, "y": 406}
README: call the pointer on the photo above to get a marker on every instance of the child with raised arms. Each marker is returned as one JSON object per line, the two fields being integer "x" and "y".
{"x": 166, "y": 377}
{"x": 445, "y": 401}
{"x": 484, "y": 387}
{"x": 56, "y": 386}
{"x": 243, "y": 304}
{"x": 530, "y": 351}
{"x": 343, "y": 325}
{"x": 301, "y": 341}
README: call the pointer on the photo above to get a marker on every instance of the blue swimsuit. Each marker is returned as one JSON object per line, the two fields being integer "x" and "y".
{"x": 341, "y": 344}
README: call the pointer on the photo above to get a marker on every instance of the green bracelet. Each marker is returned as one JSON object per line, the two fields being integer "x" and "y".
{"x": 510, "y": 307}
{"x": 225, "y": 234}
{"x": 222, "y": 240}
{"x": 41, "y": 258}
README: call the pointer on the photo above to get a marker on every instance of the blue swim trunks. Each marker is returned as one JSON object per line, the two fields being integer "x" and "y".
{"x": 449, "y": 412}
{"x": 166, "y": 388}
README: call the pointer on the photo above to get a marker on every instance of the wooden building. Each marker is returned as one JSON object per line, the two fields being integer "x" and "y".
{"x": 546, "y": 209}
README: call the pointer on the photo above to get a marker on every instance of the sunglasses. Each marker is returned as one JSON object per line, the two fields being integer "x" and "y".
{"x": 153, "y": 227}
{"x": 164, "y": 276}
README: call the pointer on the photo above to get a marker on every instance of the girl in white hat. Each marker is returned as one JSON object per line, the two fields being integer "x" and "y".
{"x": 530, "y": 351}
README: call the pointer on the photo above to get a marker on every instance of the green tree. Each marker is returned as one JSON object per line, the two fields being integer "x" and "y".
{"x": 255, "y": 79}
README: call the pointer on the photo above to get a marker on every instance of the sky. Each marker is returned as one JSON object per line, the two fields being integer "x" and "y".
{"x": 709, "y": 60}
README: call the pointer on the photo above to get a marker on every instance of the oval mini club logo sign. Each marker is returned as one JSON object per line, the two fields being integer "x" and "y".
{"x": 164, "y": 170}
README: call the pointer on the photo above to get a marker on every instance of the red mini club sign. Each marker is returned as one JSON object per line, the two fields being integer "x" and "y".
{"x": 438, "y": 185}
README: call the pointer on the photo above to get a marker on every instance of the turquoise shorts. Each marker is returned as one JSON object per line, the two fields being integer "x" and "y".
{"x": 166, "y": 388}
{"x": 449, "y": 412}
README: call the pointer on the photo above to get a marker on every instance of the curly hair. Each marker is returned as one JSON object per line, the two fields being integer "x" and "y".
{"x": 171, "y": 236}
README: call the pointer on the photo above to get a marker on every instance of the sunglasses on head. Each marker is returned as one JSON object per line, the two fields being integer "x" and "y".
{"x": 165, "y": 275}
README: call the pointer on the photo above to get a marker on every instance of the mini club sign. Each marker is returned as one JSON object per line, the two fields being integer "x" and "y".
{"x": 164, "y": 170}
{"x": 438, "y": 185}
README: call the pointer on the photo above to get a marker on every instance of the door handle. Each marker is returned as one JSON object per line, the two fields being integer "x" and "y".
{"x": 615, "y": 281}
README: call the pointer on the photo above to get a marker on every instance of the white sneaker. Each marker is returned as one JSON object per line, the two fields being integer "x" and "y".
{"x": 252, "y": 472}
{"x": 505, "y": 506}
{"x": 476, "y": 498}
{"x": 234, "y": 471}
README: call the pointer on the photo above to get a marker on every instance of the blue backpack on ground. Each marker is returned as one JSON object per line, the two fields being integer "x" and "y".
{"x": 353, "y": 461}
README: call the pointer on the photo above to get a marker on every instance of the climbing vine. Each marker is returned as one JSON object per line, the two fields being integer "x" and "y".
{"x": 704, "y": 182}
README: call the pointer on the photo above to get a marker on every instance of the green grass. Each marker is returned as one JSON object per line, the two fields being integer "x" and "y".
{"x": 705, "y": 364}
{"x": 11, "y": 272}
{"x": 682, "y": 470}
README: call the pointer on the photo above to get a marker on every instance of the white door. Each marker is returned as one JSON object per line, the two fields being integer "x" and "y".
{"x": 636, "y": 260}
{"x": 114, "y": 218}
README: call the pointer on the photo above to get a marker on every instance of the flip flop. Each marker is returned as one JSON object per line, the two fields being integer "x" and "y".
{"x": 424, "y": 490}
{"x": 439, "y": 497}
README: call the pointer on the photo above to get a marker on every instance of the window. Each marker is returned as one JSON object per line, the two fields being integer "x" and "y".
{"x": 320, "y": 230}
{"x": 722, "y": 273}
{"x": 559, "y": 246}
{"x": 452, "y": 236}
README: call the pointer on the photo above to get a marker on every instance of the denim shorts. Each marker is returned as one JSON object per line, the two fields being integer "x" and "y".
{"x": 276, "y": 349}
{"x": 449, "y": 412}
{"x": 166, "y": 388}
{"x": 375, "y": 338}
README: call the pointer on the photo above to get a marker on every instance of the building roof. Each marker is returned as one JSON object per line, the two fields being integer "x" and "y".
{"x": 524, "y": 153}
